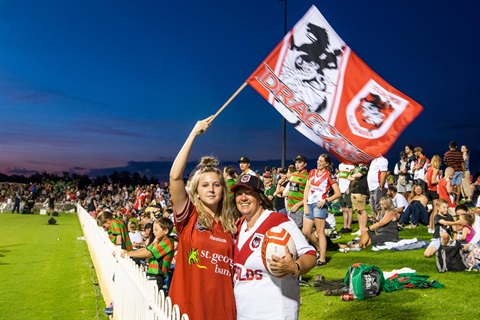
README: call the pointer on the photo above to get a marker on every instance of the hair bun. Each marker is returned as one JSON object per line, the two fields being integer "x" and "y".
{"x": 209, "y": 161}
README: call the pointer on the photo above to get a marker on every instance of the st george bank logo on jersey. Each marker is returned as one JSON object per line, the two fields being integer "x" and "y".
{"x": 203, "y": 259}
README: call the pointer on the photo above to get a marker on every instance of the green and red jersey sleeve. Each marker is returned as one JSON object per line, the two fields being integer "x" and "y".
{"x": 162, "y": 252}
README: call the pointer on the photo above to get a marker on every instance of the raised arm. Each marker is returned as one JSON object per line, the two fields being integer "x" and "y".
{"x": 178, "y": 193}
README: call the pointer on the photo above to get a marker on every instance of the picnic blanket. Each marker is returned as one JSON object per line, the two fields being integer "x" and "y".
{"x": 404, "y": 244}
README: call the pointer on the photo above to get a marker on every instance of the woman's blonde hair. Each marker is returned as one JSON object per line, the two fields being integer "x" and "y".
{"x": 389, "y": 206}
{"x": 209, "y": 164}
{"x": 436, "y": 161}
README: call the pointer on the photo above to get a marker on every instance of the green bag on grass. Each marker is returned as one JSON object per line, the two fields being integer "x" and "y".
{"x": 364, "y": 281}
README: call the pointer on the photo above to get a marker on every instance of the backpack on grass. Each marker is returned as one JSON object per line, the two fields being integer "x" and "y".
{"x": 364, "y": 281}
{"x": 450, "y": 258}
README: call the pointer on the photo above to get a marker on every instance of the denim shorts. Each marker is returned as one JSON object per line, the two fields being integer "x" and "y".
{"x": 457, "y": 178}
{"x": 320, "y": 213}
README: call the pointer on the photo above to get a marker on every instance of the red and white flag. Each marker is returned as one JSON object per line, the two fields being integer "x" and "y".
{"x": 330, "y": 95}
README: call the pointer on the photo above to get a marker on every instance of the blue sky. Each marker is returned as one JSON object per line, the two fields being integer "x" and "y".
{"x": 96, "y": 84}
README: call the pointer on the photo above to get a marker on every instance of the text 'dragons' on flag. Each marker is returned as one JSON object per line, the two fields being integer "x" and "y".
{"x": 330, "y": 95}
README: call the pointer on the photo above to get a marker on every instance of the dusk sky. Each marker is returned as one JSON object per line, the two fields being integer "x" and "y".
{"x": 96, "y": 84}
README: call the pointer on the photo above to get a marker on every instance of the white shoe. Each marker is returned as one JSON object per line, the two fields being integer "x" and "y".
{"x": 356, "y": 233}
{"x": 344, "y": 250}
{"x": 431, "y": 230}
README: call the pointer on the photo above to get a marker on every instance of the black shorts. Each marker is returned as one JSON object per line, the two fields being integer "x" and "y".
{"x": 431, "y": 195}
{"x": 345, "y": 200}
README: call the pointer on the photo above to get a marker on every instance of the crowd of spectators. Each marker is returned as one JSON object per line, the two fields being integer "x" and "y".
{"x": 407, "y": 195}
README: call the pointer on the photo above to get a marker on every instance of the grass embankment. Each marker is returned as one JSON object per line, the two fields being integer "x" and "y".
{"x": 45, "y": 272}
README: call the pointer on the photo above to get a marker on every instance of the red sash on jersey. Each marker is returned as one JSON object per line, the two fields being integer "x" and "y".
{"x": 274, "y": 219}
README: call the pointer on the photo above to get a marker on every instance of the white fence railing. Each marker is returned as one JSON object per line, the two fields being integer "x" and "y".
{"x": 122, "y": 281}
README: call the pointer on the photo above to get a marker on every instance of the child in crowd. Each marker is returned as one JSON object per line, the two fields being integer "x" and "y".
{"x": 116, "y": 228}
{"x": 445, "y": 190}
{"x": 467, "y": 231}
{"x": 134, "y": 234}
{"x": 159, "y": 253}
{"x": 440, "y": 222}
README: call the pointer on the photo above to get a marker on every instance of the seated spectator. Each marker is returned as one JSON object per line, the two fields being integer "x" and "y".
{"x": 399, "y": 201}
{"x": 441, "y": 223}
{"x": 476, "y": 226}
{"x": 417, "y": 209}
{"x": 467, "y": 233}
{"x": 384, "y": 229}
{"x": 159, "y": 253}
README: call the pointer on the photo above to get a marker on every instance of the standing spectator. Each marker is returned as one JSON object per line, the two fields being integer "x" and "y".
{"x": 253, "y": 283}
{"x": 202, "y": 281}
{"x": 279, "y": 200}
{"x": 420, "y": 167}
{"x": 296, "y": 189}
{"x": 140, "y": 200}
{"x": 275, "y": 175}
{"x": 454, "y": 159}
{"x": 16, "y": 203}
{"x": 344, "y": 171}
{"x": 376, "y": 178}
{"x": 230, "y": 177}
{"x": 360, "y": 194}
{"x": 466, "y": 189}
{"x": 316, "y": 200}
{"x": 432, "y": 177}
{"x": 244, "y": 164}
{"x": 290, "y": 171}
{"x": 411, "y": 162}
{"x": 116, "y": 228}
{"x": 270, "y": 188}
{"x": 51, "y": 203}
{"x": 402, "y": 172}
{"x": 445, "y": 190}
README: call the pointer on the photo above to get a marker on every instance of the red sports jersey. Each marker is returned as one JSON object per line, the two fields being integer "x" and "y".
{"x": 202, "y": 284}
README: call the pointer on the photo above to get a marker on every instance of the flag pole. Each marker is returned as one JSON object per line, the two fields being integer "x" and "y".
{"x": 229, "y": 100}
{"x": 284, "y": 122}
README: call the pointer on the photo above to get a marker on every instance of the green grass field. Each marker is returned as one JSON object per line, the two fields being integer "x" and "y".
{"x": 45, "y": 272}
{"x": 457, "y": 300}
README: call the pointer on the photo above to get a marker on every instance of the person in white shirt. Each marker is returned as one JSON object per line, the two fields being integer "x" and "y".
{"x": 244, "y": 164}
{"x": 344, "y": 171}
{"x": 258, "y": 293}
{"x": 377, "y": 181}
{"x": 399, "y": 201}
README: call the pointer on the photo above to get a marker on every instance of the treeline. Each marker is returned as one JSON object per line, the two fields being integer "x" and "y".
{"x": 123, "y": 178}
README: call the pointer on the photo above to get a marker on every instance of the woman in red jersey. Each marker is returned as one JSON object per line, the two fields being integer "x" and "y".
{"x": 202, "y": 281}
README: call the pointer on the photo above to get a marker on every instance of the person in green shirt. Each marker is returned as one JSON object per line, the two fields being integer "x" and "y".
{"x": 296, "y": 189}
{"x": 159, "y": 254}
{"x": 230, "y": 176}
{"x": 116, "y": 228}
